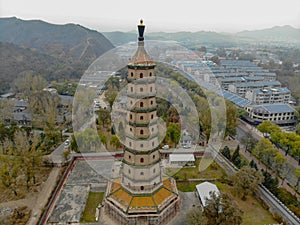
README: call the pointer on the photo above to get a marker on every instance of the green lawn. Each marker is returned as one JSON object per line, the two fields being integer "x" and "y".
{"x": 254, "y": 213}
{"x": 94, "y": 199}
{"x": 213, "y": 171}
{"x": 186, "y": 186}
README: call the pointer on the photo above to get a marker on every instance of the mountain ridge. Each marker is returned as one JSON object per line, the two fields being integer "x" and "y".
{"x": 66, "y": 40}
{"x": 65, "y": 51}
{"x": 280, "y": 34}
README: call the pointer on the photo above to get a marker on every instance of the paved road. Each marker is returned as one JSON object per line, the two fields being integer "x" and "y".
{"x": 245, "y": 128}
{"x": 242, "y": 131}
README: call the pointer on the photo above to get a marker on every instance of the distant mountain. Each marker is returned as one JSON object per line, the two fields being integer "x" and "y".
{"x": 15, "y": 60}
{"x": 186, "y": 38}
{"x": 286, "y": 34}
{"x": 57, "y": 52}
{"x": 120, "y": 38}
{"x": 70, "y": 41}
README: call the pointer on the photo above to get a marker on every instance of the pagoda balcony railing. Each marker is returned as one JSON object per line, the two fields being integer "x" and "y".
{"x": 142, "y": 110}
{"x": 141, "y": 137}
{"x": 140, "y": 95}
{"x": 148, "y": 179}
{"x": 145, "y": 80}
{"x": 143, "y": 124}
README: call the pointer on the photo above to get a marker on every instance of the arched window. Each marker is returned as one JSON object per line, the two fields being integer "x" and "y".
{"x": 130, "y": 116}
{"x": 141, "y": 145}
{"x": 129, "y": 144}
{"x": 131, "y": 74}
{"x": 151, "y": 102}
{"x": 142, "y": 173}
{"x": 150, "y": 74}
{"x": 129, "y": 171}
{"x": 129, "y": 156}
{"x": 153, "y": 155}
{"x": 151, "y": 89}
{"x": 153, "y": 170}
{"x": 152, "y": 116}
{"x": 153, "y": 145}
{"x": 130, "y": 129}
{"x": 142, "y": 160}
{"x": 141, "y": 118}
{"x": 142, "y": 188}
{"x": 141, "y": 104}
{"x": 141, "y": 75}
{"x": 142, "y": 132}
{"x": 131, "y": 89}
{"x": 141, "y": 89}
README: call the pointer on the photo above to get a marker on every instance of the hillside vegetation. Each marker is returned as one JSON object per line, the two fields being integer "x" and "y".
{"x": 57, "y": 52}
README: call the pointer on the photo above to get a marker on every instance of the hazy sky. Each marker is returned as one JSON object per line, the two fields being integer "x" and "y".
{"x": 159, "y": 15}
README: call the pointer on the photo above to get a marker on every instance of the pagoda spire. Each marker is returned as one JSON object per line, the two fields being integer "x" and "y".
{"x": 141, "y": 28}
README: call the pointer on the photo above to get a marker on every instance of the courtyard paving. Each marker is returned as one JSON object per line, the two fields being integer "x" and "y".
{"x": 85, "y": 176}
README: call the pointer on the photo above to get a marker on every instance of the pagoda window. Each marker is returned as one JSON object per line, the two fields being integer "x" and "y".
{"x": 142, "y": 132}
{"x": 141, "y": 104}
{"x": 150, "y": 74}
{"x": 141, "y": 118}
{"x": 131, "y": 74}
{"x": 141, "y": 160}
{"x": 141, "y": 75}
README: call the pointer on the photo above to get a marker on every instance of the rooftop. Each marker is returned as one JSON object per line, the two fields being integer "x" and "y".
{"x": 181, "y": 157}
{"x": 204, "y": 190}
{"x": 273, "y": 108}
{"x": 259, "y": 84}
{"x": 144, "y": 201}
{"x": 272, "y": 90}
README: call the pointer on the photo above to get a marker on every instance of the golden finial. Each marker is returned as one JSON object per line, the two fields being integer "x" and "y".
{"x": 141, "y": 22}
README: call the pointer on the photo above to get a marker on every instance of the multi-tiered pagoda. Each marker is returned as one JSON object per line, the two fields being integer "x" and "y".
{"x": 142, "y": 194}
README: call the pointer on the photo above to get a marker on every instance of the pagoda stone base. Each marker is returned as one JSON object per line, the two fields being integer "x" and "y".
{"x": 118, "y": 217}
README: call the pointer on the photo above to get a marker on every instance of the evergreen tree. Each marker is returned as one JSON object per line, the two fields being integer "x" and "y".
{"x": 236, "y": 158}
{"x": 226, "y": 152}
{"x": 270, "y": 183}
{"x": 252, "y": 164}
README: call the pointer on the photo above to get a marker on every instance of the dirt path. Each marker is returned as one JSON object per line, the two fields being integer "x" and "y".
{"x": 36, "y": 201}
